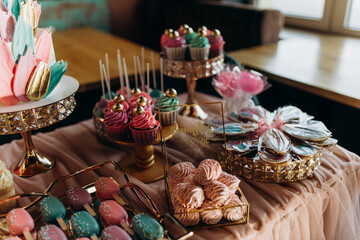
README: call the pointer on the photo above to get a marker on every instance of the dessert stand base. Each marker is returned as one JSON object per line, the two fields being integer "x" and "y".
{"x": 33, "y": 162}
{"x": 147, "y": 167}
{"x": 194, "y": 111}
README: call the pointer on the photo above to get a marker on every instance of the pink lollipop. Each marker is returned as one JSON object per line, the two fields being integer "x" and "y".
{"x": 107, "y": 189}
{"x": 113, "y": 214}
{"x": 251, "y": 82}
{"x": 20, "y": 222}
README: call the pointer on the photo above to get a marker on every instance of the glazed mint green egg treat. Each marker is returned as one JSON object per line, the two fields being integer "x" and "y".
{"x": 169, "y": 99}
{"x": 82, "y": 224}
{"x": 147, "y": 227}
{"x": 53, "y": 211}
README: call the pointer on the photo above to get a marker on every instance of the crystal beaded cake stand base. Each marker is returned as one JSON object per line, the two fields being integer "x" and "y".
{"x": 23, "y": 118}
{"x": 192, "y": 71}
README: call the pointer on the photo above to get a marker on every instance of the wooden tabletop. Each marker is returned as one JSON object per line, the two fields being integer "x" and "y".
{"x": 83, "y": 47}
{"x": 325, "y": 65}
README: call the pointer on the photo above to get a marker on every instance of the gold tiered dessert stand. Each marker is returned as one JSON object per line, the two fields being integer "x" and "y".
{"x": 144, "y": 164}
{"x": 192, "y": 71}
{"x": 23, "y": 118}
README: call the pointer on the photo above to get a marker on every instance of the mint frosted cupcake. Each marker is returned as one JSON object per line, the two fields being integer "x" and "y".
{"x": 189, "y": 35}
{"x": 200, "y": 47}
{"x": 175, "y": 46}
{"x": 168, "y": 115}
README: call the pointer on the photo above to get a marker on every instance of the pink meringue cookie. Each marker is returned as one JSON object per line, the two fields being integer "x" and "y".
{"x": 210, "y": 215}
{"x": 207, "y": 171}
{"x": 229, "y": 180}
{"x": 187, "y": 216}
{"x": 218, "y": 193}
{"x": 180, "y": 170}
{"x": 189, "y": 196}
{"x": 233, "y": 212}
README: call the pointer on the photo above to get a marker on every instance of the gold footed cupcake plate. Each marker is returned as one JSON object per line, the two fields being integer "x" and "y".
{"x": 144, "y": 164}
{"x": 23, "y": 118}
{"x": 192, "y": 71}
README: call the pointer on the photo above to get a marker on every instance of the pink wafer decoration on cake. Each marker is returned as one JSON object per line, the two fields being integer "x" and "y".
{"x": 207, "y": 171}
{"x": 234, "y": 212}
{"x": 218, "y": 193}
{"x": 229, "y": 180}
{"x": 43, "y": 46}
{"x": 179, "y": 171}
{"x": 188, "y": 195}
{"x": 211, "y": 215}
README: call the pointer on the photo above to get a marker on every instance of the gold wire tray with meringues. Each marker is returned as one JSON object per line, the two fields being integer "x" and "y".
{"x": 23, "y": 118}
{"x": 143, "y": 164}
{"x": 244, "y": 206}
{"x": 191, "y": 71}
{"x": 135, "y": 199}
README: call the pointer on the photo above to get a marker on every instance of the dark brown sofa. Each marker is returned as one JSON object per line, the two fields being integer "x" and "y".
{"x": 242, "y": 26}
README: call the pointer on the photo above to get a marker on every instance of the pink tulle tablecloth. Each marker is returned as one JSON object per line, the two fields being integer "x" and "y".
{"x": 324, "y": 207}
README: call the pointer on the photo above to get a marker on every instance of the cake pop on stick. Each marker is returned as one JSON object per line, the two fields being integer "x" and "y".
{"x": 107, "y": 81}
{"x": 161, "y": 74}
{"x": 107, "y": 189}
{"x": 147, "y": 227}
{"x": 20, "y": 222}
{"x": 53, "y": 211}
{"x": 128, "y": 92}
{"x": 82, "y": 224}
{"x": 148, "y": 77}
{"x": 51, "y": 232}
{"x": 107, "y": 65}
{"x": 135, "y": 73}
{"x": 113, "y": 214}
{"x": 79, "y": 199}
{"x": 141, "y": 75}
{"x": 153, "y": 69}
{"x": 102, "y": 79}
{"x": 121, "y": 76}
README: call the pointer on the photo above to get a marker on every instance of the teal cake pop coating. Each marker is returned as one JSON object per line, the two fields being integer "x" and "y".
{"x": 84, "y": 225}
{"x": 51, "y": 209}
{"x": 147, "y": 227}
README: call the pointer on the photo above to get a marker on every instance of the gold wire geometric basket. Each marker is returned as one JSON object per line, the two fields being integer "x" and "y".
{"x": 254, "y": 168}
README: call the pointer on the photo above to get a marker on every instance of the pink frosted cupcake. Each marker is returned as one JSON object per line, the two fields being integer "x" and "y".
{"x": 216, "y": 43}
{"x": 117, "y": 99}
{"x": 140, "y": 98}
{"x": 144, "y": 127}
{"x": 182, "y": 28}
{"x": 164, "y": 39}
{"x": 176, "y": 46}
{"x": 117, "y": 123}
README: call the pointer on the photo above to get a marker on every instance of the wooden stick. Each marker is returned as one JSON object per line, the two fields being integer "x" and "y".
{"x": 102, "y": 79}
{"x": 143, "y": 61}
{"x": 141, "y": 76}
{"x": 90, "y": 210}
{"x": 62, "y": 224}
{"x": 27, "y": 235}
{"x": 161, "y": 74}
{"x": 107, "y": 82}
{"x": 127, "y": 228}
{"x": 120, "y": 71}
{"x": 107, "y": 65}
{"x": 153, "y": 69}
{"x": 94, "y": 237}
{"x": 119, "y": 200}
{"x": 136, "y": 75}
{"x": 128, "y": 92}
{"x": 148, "y": 77}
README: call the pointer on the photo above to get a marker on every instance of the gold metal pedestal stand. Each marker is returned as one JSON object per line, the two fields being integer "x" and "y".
{"x": 192, "y": 71}
{"x": 24, "y": 122}
{"x": 144, "y": 164}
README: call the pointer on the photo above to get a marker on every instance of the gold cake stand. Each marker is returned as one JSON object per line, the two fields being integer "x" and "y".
{"x": 144, "y": 164}
{"x": 192, "y": 71}
{"x": 23, "y": 118}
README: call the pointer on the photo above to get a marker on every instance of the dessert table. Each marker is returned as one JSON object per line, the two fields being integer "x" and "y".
{"x": 324, "y": 207}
